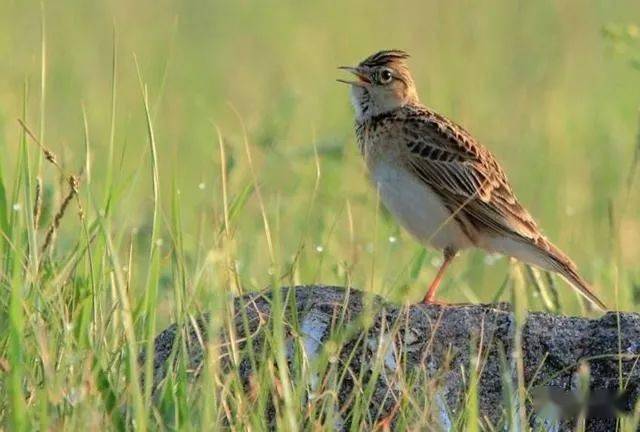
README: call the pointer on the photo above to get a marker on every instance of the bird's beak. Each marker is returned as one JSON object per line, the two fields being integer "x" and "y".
{"x": 363, "y": 79}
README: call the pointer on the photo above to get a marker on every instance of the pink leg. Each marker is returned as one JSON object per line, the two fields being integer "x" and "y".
{"x": 431, "y": 293}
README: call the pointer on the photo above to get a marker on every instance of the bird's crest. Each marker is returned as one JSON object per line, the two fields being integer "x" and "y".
{"x": 383, "y": 58}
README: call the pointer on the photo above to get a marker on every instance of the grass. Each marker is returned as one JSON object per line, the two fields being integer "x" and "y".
{"x": 215, "y": 156}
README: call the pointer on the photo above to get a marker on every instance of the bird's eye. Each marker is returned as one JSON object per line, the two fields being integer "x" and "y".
{"x": 386, "y": 76}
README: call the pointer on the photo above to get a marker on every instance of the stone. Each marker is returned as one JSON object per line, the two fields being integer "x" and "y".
{"x": 571, "y": 365}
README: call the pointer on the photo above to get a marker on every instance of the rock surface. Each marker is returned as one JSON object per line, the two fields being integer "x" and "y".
{"x": 444, "y": 343}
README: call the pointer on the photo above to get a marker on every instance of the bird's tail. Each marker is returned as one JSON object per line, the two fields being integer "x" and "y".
{"x": 553, "y": 259}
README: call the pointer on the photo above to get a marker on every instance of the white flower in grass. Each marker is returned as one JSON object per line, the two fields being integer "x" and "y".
{"x": 319, "y": 248}
{"x": 201, "y": 185}
{"x": 17, "y": 207}
{"x": 393, "y": 239}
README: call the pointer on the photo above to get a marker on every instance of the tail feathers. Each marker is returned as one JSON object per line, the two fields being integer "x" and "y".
{"x": 542, "y": 253}
{"x": 558, "y": 262}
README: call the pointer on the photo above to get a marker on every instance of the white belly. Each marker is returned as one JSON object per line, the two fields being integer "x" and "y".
{"x": 419, "y": 210}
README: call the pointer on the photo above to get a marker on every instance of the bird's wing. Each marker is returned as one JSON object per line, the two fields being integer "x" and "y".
{"x": 470, "y": 182}
{"x": 465, "y": 175}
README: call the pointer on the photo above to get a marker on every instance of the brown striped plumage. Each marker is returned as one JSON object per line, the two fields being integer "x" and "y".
{"x": 416, "y": 155}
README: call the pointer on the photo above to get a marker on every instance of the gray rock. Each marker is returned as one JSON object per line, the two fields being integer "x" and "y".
{"x": 571, "y": 365}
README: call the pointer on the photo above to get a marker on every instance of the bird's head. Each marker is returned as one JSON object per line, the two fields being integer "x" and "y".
{"x": 382, "y": 83}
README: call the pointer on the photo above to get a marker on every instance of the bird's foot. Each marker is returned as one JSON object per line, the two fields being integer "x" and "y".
{"x": 434, "y": 302}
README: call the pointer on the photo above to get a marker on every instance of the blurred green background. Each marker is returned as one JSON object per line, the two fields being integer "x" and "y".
{"x": 537, "y": 82}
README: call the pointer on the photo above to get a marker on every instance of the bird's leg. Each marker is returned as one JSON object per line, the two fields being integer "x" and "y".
{"x": 431, "y": 293}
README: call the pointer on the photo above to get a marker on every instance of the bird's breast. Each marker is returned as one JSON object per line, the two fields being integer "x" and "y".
{"x": 416, "y": 206}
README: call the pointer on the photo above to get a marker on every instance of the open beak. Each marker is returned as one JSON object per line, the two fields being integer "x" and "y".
{"x": 362, "y": 79}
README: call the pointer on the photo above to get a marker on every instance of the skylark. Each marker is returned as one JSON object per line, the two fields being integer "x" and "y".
{"x": 445, "y": 188}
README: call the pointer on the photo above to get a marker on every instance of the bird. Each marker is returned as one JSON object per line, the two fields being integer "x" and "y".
{"x": 446, "y": 189}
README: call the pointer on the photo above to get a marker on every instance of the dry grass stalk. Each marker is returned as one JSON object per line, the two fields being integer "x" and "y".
{"x": 74, "y": 183}
{"x": 37, "y": 203}
{"x": 48, "y": 154}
